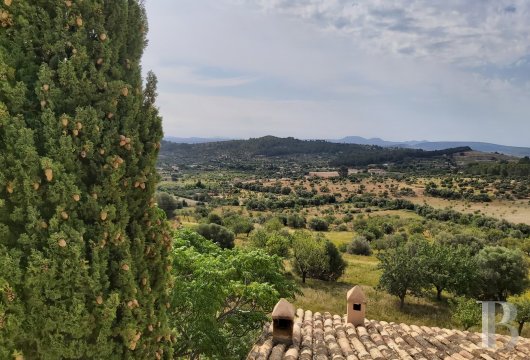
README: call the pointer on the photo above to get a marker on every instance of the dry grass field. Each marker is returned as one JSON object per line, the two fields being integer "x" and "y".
{"x": 323, "y": 174}
{"x": 516, "y": 211}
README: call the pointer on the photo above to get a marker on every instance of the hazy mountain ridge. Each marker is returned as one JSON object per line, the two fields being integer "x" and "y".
{"x": 413, "y": 144}
{"x": 193, "y": 140}
{"x": 438, "y": 145}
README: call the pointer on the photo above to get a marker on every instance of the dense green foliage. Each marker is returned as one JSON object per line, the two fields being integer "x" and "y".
{"x": 214, "y": 218}
{"x": 503, "y": 168}
{"x": 220, "y": 297}
{"x": 167, "y": 203}
{"x": 274, "y": 242}
{"x": 449, "y": 268}
{"x": 359, "y": 246}
{"x": 433, "y": 190}
{"x": 238, "y": 224}
{"x": 522, "y": 303}
{"x": 466, "y": 312}
{"x": 502, "y": 272}
{"x": 83, "y": 250}
{"x": 318, "y": 224}
{"x": 296, "y": 221}
{"x": 335, "y": 264}
{"x": 400, "y": 268}
{"x": 218, "y": 234}
{"x": 315, "y": 257}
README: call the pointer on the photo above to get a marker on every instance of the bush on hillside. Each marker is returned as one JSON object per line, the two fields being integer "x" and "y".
{"x": 218, "y": 234}
{"x": 359, "y": 246}
{"x": 318, "y": 224}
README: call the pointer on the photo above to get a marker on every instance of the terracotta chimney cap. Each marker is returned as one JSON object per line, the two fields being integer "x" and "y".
{"x": 356, "y": 295}
{"x": 283, "y": 310}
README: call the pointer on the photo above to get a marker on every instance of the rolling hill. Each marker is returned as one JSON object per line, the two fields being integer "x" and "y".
{"x": 334, "y": 154}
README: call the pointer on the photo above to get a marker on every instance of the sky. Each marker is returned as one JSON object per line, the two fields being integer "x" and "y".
{"x": 396, "y": 69}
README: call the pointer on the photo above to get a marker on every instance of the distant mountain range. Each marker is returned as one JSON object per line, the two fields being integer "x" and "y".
{"x": 424, "y": 144}
{"x": 438, "y": 145}
{"x": 193, "y": 140}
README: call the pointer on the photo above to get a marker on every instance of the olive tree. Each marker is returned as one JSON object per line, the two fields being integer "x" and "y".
{"x": 501, "y": 272}
{"x": 403, "y": 270}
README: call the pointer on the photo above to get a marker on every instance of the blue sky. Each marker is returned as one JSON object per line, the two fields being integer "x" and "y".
{"x": 399, "y": 70}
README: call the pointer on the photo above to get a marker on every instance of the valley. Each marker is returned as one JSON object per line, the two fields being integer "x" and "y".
{"x": 439, "y": 199}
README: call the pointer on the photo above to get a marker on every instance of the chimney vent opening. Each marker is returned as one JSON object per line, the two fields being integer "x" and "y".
{"x": 283, "y": 324}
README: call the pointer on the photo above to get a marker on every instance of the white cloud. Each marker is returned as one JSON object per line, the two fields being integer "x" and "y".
{"x": 454, "y": 31}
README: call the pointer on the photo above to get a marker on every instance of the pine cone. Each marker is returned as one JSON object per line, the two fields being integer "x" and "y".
{"x": 10, "y": 294}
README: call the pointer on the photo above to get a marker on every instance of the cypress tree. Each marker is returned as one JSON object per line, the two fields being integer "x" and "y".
{"x": 83, "y": 250}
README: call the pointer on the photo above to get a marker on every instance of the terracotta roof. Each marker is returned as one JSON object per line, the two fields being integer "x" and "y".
{"x": 324, "y": 336}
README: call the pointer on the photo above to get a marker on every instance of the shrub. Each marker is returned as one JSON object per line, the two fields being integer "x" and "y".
{"x": 218, "y": 234}
{"x": 342, "y": 227}
{"x": 466, "y": 312}
{"x": 201, "y": 211}
{"x": 336, "y": 264}
{"x": 239, "y": 224}
{"x": 318, "y": 224}
{"x": 296, "y": 221}
{"x": 389, "y": 241}
{"x": 286, "y": 190}
{"x": 215, "y": 219}
{"x": 167, "y": 203}
{"x": 274, "y": 224}
{"x": 388, "y": 228}
{"x": 359, "y": 246}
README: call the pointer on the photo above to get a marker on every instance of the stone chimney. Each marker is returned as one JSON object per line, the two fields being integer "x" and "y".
{"x": 356, "y": 309}
{"x": 283, "y": 322}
